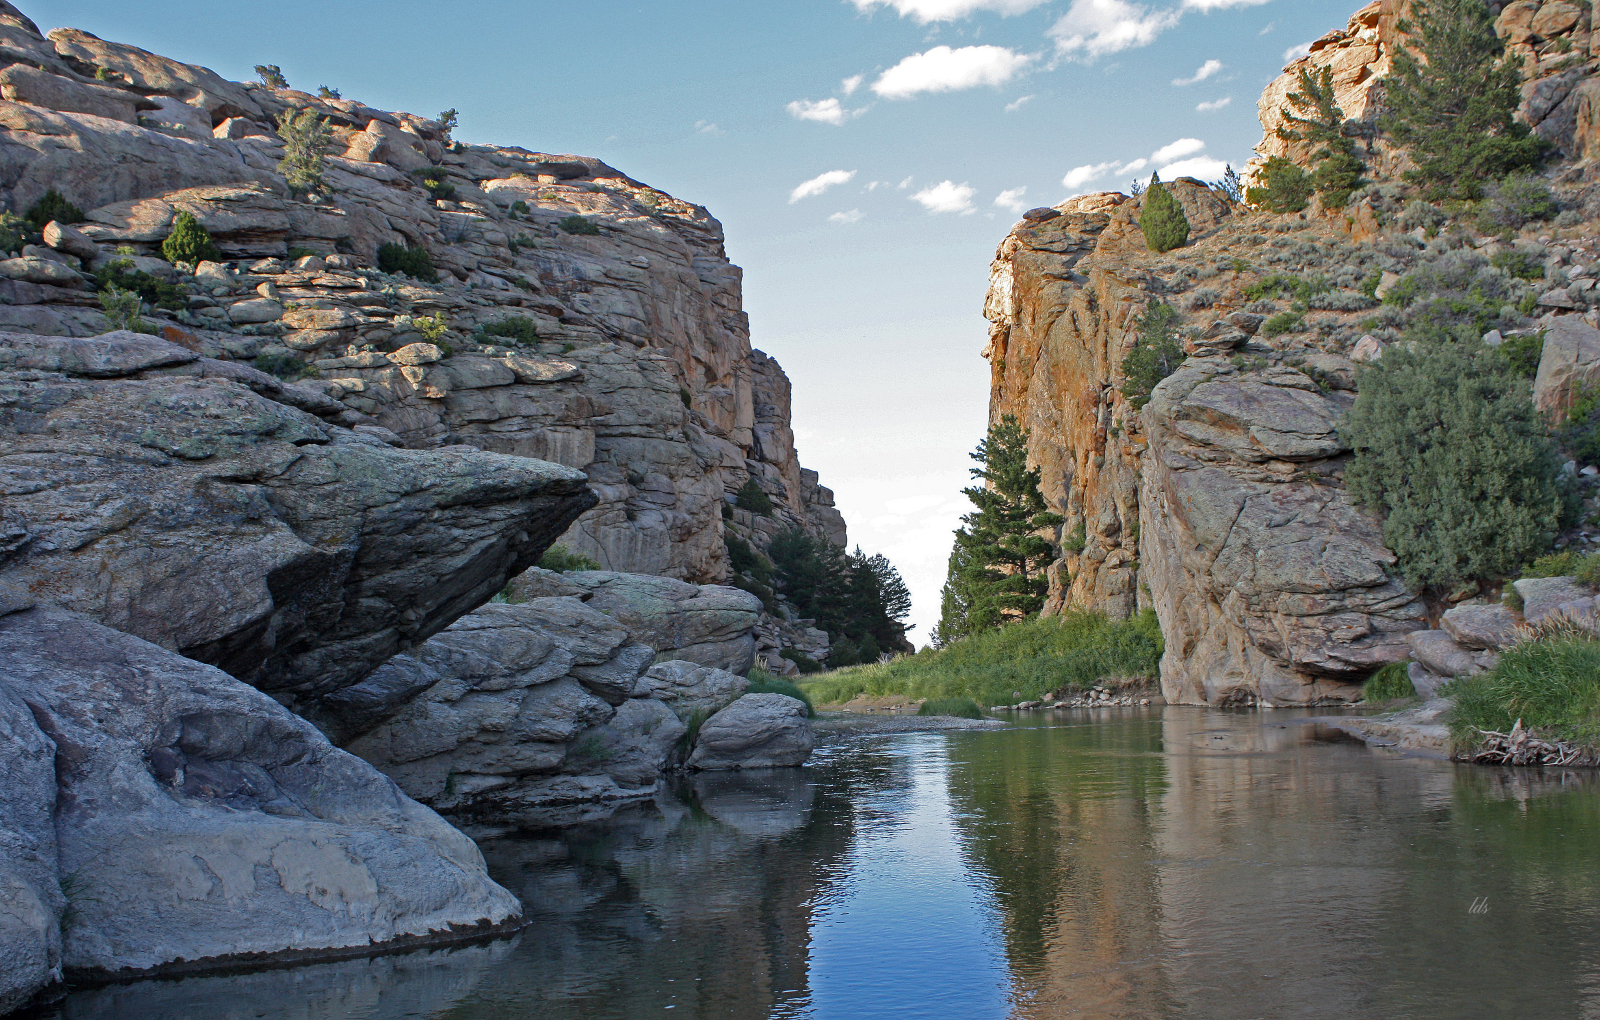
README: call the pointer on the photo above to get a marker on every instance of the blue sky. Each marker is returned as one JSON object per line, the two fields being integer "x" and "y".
{"x": 869, "y": 295}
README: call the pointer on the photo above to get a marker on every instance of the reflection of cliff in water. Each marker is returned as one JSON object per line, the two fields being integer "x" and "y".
{"x": 701, "y": 901}
{"x": 1060, "y": 820}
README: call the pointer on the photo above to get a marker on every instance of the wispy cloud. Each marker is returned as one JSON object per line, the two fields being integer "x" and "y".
{"x": 1203, "y": 167}
{"x": 943, "y": 69}
{"x": 853, "y": 216}
{"x": 925, "y": 11}
{"x": 705, "y": 127}
{"x": 1017, "y": 104}
{"x": 820, "y": 183}
{"x": 1093, "y": 28}
{"x": 1080, "y": 176}
{"x": 1176, "y": 150}
{"x": 1270, "y": 26}
{"x": 903, "y": 185}
{"x": 1294, "y": 53}
{"x": 947, "y": 197}
{"x": 826, "y": 111}
{"x": 850, "y": 84}
{"x": 1012, "y": 199}
{"x": 1218, "y": 5}
{"x": 1212, "y": 106}
{"x": 1208, "y": 69}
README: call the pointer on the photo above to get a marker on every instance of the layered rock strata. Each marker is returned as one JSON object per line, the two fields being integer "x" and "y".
{"x": 632, "y": 361}
{"x": 153, "y": 802}
{"x": 196, "y": 504}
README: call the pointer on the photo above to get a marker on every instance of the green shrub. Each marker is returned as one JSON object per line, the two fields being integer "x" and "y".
{"x": 1455, "y": 109}
{"x": 1280, "y": 285}
{"x": 271, "y": 76}
{"x": 413, "y": 262}
{"x": 189, "y": 242}
{"x": 1567, "y": 563}
{"x": 120, "y": 274}
{"x": 284, "y": 366}
{"x": 1162, "y": 219}
{"x": 1390, "y": 683}
{"x": 752, "y": 498}
{"x": 1283, "y": 322}
{"x": 1523, "y": 352}
{"x": 685, "y": 397}
{"x": 577, "y": 225}
{"x": 1155, "y": 355}
{"x": 1551, "y": 684}
{"x": 562, "y": 560}
{"x": 1317, "y": 119}
{"x": 1287, "y": 188}
{"x": 325, "y": 92}
{"x": 438, "y": 187}
{"x": 958, "y": 708}
{"x": 1515, "y": 202}
{"x": 122, "y": 308}
{"x": 1003, "y": 665}
{"x": 53, "y": 207}
{"x": 519, "y": 329}
{"x": 1449, "y": 449}
{"x": 447, "y": 122}
{"x": 1580, "y": 430}
{"x": 15, "y": 232}
{"x": 305, "y": 148}
{"x": 1519, "y": 263}
{"x": 519, "y": 208}
{"x": 762, "y": 682}
{"x": 298, "y": 252}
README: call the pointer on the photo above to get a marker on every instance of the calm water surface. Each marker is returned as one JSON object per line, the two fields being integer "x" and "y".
{"x": 1162, "y": 863}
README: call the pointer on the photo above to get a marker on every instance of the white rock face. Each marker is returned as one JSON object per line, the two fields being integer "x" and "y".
{"x": 757, "y": 731}
{"x": 185, "y": 801}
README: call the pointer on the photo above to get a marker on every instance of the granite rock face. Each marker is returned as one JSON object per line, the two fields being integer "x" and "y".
{"x": 199, "y": 505}
{"x": 690, "y": 687}
{"x": 757, "y": 731}
{"x": 182, "y": 801}
{"x": 631, "y": 356}
{"x": 30, "y": 890}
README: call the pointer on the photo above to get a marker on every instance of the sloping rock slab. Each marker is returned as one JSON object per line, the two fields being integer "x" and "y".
{"x": 1490, "y": 627}
{"x": 757, "y": 731}
{"x": 690, "y": 687}
{"x": 709, "y": 624}
{"x": 1542, "y": 596}
{"x": 198, "y": 820}
{"x": 202, "y": 508}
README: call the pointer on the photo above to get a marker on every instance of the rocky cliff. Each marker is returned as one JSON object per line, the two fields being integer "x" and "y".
{"x": 1220, "y": 504}
{"x": 630, "y": 358}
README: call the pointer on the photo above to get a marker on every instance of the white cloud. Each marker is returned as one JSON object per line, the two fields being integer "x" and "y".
{"x": 820, "y": 183}
{"x": 1294, "y": 53}
{"x": 943, "y": 69}
{"x": 1017, "y": 104}
{"x": 1096, "y": 27}
{"x": 853, "y": 216}
{"x": 1078, "y": 176}
{"x": 1218, "y": 5}
{"x": 947, "y": 197}
{"x": 827, "y": 111}
{"x": 850, "y": 84}
{"x": 1270, "y": 26}
{"x": 1181, "y": 147}
{"x": 705, "y": 127}
{"x": 1203, "y": 167}
{"x": 1207, "y": 70}
{"x": 903, "y": 185}
{"x": 1135, "y": 166}
{"x": 949, "y": 10}
{"x": 1214, "y": 105}
{"x": 1012, "y": 199}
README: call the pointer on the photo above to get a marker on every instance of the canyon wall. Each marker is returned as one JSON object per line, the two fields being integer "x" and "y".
{"x": 1220, "y": 503}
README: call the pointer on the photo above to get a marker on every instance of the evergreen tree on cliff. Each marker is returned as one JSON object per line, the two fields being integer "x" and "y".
{"x": 1316, "y": 118}
{"x": 997, "y": 568}
{"x": 1162, "y": 219}
{"x": 1455, "y": 110}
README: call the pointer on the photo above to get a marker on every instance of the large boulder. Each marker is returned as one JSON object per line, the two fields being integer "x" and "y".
{"x": 689, "y": 687}
{"x": 201, "y": 505}
{"x": 537, "y": 707}
{"x": 1442, "y": 655}
{"x": 1570, "y": 360}
{"x": 710, "y": 624}
{"x": 1545, "y": 596}
{"x": 197, "y": 820}
{"x": 757, "y": 731}
{"x": 30, "y": 891}
{"x": 1481, "y": 626}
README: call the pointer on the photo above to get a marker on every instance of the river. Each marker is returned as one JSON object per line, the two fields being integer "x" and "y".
{"x": 1141, "y": 864}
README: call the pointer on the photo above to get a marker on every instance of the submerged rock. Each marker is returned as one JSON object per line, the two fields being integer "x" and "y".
{"x": 197, "y": 820}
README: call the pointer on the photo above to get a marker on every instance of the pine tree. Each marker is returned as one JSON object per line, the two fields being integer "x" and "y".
{"x": 1165, "y": 226}
{"x": 305, "y": 147}
{"x": 997, "y": 570}
{"x": 189, "y": 242}
{"x": 271, "y": 76}
{"x": 1156, "y": 353}
{"x": 1285, "y": 188}
{"x": 1317, "y": 119}
{"x": 1455, "y": 110}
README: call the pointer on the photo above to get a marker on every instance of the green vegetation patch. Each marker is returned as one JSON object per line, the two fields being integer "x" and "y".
{"x": 1391, "y": 683}
{"x": 959, "y": 708}
{"x": 1552, "y": 684}
{"x": 1155, "y": 355}
{"x": 413, "y": 262}
{"x": 53, "y": 207}
{"x": 519, "y": 329}
{"x": 753, "y": 498}
{"x": 1162, "y": 219}
{"x": 1567, "y": 563}
{"x": 189, "y": 242}
{"x": 577, "y": 225}
{"x": 561, "y": 559}
{"x": 1021, "y": 661}
{"x": 120, "y": 275}
{"x": 1286, "y": 188}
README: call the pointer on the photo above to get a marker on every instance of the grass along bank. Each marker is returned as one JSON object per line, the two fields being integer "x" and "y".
{"x": 1021, "y": 661}
{"x": 1551, "y": 684}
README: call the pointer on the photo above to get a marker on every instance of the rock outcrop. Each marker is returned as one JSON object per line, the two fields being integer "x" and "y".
{"x": 617, "y": 343}
{"x": 206, "y": 507}
{"x": 161, "y": 812}
{"x": 757, "y": 731}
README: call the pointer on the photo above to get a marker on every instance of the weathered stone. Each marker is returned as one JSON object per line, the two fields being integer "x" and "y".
{"x": 66, "y": 239}
{"x": 150, "y": 73}
{"x": 1368, "y": 349}
{"x": 255, "y": 310}
{"x": 185, "y": 801}
{"x": 1543, "y": 596}
{"x": 38, "y": 270}
{"x": 208, "y": 512}
{"x": 1441, "y": 654}
{"x": 1570, "y": 360}
{"x": 1491, "y": 627}
{"x": 708, "y": 624}
{"x": 690, "y": 687}
{"x": 1425, "y": 681}
{"x": 22, "y": 84}
{"x": 416, "y": 354}
{"x": 31, "y": 901}
{"x": 757, "y": 731}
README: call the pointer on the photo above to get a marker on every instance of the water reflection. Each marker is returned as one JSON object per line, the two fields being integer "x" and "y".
{"x": 1137, "y": 866}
